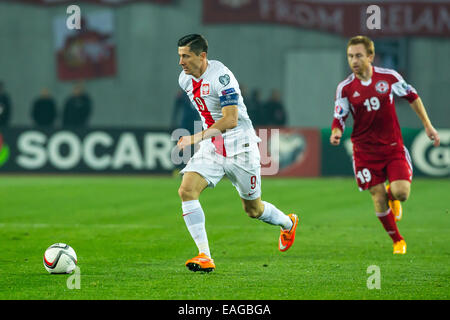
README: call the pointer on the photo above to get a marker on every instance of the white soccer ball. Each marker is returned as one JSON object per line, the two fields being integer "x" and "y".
{"x": 60, "y": 258}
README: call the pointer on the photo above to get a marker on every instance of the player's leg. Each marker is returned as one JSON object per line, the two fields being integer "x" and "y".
{"x": 370, "y": 175}
{"x": 244, "y": 171}
{"x": 191, "y": 187}
{"x": 400, "y": 190}
{"x": 386, "y": 216}
{"x": 200, "y": 172}
{"x": 268, "y": 213}
{"x": 253, "y": 208}
{"x": 397, "y": 192}
{"x": 399, "y": 172}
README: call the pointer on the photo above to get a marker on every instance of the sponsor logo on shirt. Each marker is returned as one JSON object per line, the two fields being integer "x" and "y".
{"x": 228, "y": 91}
{"x": 339, "y": 110}
{"x": 408, "y": 89}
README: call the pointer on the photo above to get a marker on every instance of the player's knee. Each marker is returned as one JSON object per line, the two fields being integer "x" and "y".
{"x": 401, "y": 195}
{"x": 252, "y": 211}
{"x": 187, "y": 194}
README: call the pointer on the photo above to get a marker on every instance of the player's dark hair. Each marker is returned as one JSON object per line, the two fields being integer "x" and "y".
{"x": 368, "y": 44}
{"x": 196, "y": 42}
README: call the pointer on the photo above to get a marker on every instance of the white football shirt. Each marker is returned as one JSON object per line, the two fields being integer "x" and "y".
{"x": 216, "y": 88}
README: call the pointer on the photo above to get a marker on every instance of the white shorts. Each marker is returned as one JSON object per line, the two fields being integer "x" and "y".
{"x": 243, "y": 170}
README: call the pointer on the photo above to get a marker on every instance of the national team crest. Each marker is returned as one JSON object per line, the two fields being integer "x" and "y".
{"x": 382, "y": 86}
{"x": 205, "y": 89}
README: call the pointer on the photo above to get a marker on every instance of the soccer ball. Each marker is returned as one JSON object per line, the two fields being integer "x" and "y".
{"x": 60, "y": 258}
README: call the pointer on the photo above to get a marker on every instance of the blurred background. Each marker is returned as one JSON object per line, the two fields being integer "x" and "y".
{"x": 120, "y": 71}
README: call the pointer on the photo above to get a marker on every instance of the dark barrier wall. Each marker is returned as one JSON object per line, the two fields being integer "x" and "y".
{"x": 296, "y": 152}
{"x": 426, "y": 159}
{"x": 86, "y": 151}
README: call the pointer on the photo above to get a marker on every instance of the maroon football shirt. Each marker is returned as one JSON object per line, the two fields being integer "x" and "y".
{"x": 376, "y": 128}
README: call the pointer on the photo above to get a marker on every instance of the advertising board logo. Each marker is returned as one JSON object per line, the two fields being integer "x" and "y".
{"x": 4, "y": 151}
{"x": 98, "y": 150}
{"x": 433, "y": 161}
{"x": 288, "y": 148}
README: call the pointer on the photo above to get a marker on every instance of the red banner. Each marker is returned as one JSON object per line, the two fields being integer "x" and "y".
{"x": 89, "y": 52}
{"x": 102, "y": 2}
{"x": 425, "y": 18}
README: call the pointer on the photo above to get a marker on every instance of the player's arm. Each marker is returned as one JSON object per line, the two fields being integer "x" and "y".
{"x": 419, "y": 108}
{"x": 228, "y": 121}
{"x": 341, "y": 111}
{"x": 404, "y": 90}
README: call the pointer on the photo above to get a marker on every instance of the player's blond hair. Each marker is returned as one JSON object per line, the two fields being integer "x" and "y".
{"x": 368, "y": 44}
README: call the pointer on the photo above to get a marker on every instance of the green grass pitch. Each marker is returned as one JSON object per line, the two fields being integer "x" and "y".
{"x": 132, "y": 242}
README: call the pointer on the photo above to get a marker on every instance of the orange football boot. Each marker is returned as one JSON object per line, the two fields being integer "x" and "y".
{"x": 395, "y": 206}
{"x": 400, "y": 247}
{"x": 287, "y": 237}
{"x": 201, "y": 263}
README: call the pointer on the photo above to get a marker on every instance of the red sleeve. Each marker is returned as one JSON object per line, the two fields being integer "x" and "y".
{"x": 401, "y": 88}
{"x": 411, "y": 96}
{"x": 339, "y": 123}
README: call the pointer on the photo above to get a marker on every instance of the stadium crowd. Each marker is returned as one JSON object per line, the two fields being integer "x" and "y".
{"x": 76, "y": 112}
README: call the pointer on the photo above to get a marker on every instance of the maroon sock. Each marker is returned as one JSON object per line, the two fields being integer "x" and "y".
{"x": 387, "y": 219}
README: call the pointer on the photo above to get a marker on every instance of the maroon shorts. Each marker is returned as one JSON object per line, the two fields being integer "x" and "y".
{"x": 373, "y": 169}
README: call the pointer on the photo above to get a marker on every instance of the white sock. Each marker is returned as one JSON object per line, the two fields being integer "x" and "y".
{"x": 194, "y": 218}
{"x": 272, "y": 215}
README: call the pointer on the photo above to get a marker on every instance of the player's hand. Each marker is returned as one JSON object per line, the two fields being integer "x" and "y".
{"x": 184, "y": 142}
{"x": 433, "y": 135}
{"x": 335, "y": 138}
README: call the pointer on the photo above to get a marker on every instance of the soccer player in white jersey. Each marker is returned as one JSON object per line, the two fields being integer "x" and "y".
{"x": 228, "y": 146}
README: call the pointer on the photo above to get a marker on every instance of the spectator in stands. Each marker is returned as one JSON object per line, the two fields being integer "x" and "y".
{"x": 244, "y": 92}
{"x": 77, "y": 108}
{"x": 43, "y": 110}
{"x": 274, "y": 110}
{"x": 5, "y": 107}
{"x": 254, "y": 105}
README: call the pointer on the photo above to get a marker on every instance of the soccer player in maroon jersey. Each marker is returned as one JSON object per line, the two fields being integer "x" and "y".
{"x": 378, "y": 150}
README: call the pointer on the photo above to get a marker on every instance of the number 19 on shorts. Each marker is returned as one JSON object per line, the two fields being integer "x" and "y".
{"x": 364, "y": 176}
